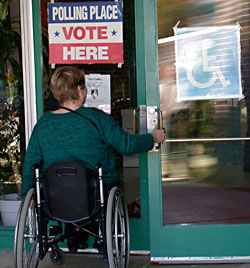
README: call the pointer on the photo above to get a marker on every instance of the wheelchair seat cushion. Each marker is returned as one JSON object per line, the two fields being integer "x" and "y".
{"x": 68, "y": 191}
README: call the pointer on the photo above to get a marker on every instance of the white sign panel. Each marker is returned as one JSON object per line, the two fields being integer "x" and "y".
{"x": 85, "y": 32}
{"x": 208, "y": 63}
{"x": 98, "y": 87}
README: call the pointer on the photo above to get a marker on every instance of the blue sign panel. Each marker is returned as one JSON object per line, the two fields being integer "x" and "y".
{"x": 208, "y": 63}
{"x": 85, "y": 12}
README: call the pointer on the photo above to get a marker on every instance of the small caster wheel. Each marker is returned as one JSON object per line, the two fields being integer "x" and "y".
{"x": 57, "y": 256}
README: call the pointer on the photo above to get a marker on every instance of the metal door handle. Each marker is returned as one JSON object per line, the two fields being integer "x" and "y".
{"x": 160, "y": 126}
{"x": 150, "y": 118}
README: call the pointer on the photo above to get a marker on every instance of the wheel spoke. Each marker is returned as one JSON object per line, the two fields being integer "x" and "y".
{"x": 26, "y": 248}
{"x": 118, "y": 250}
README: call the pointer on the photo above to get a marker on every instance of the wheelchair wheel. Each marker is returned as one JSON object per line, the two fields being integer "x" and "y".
{"x": 25, "y": 242}
{"x": 117, "y": 230}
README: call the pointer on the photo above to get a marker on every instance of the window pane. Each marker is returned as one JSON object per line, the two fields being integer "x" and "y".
{"x": 12, "y": 140}
{"x": 204, "y": 181}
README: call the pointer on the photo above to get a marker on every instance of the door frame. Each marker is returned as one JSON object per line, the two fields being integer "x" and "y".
{"x": 147, "y": 86}
{"x": 144, "y": 66}
{"x": 34, "y": 109}
{"x": 178, "y": 243}
{"x": 139, "y": 242}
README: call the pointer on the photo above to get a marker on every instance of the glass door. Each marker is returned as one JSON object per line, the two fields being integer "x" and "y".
{"x": 123, "y": 102}
{"x": 199, "y": 182}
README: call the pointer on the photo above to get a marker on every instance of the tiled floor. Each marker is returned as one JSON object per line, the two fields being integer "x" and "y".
{"x": 96, "y": 261}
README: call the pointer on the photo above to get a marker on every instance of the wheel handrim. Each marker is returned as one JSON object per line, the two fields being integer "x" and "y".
{"x": 30, "y": 242}
{"x": 26, "y": 246}
{"x": 120, "y": 234}
{"x": 117, "y": 225}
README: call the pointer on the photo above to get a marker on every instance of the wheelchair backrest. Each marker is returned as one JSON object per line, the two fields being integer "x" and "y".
{"x": 69, "y": 191}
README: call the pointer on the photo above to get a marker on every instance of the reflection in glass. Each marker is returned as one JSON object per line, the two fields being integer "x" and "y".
{"x": 12, "y": 135}
{"x": 203, "y": 181}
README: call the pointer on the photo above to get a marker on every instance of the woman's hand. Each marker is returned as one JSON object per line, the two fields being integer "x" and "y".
{"x": 158, "y": 135}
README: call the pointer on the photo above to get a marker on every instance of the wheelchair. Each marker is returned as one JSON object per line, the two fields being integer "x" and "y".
{"x": 69, "y": 193}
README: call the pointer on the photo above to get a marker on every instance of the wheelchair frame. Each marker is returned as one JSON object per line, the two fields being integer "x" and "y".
{"x": 32, "y": 242}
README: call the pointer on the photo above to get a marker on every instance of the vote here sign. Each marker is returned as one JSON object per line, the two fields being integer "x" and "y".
{"x": 88, "y": 32}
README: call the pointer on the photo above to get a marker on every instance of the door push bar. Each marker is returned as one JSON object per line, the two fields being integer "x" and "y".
{"x": 150, "y": 118}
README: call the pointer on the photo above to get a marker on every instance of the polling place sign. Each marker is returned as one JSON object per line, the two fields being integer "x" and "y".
{"x": 88, "y": 32}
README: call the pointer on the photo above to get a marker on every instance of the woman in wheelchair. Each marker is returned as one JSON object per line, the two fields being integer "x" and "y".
{"x": 68, "y": 186}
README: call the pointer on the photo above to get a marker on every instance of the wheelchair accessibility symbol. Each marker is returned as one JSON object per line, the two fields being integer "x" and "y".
{"x": 208, "y": 63}
{"x": 206, "y": 60}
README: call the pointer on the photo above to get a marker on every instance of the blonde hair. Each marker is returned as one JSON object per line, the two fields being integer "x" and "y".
{"x": 64, "y": 83}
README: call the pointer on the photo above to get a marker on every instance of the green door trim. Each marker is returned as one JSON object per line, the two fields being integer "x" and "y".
{"x": 37, "y": 31}
{"x": 147, "y": 84}
{"x": 141, "y": 226}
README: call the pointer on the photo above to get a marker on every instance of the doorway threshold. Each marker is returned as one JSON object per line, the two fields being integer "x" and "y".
{"x": 196, "y": 260}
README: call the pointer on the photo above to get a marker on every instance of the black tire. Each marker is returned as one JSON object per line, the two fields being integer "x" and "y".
{"x": 57, "y": 256}
{"x": 126, "y": 220}
{"x": 117, "y": 230}
{"x": 26, "y": 247}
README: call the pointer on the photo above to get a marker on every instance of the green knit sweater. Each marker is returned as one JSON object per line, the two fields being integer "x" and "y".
{"x": 68, "y": 136}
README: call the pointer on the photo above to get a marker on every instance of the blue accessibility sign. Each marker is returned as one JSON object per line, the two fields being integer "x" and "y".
{"x": 208, "y": 63}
